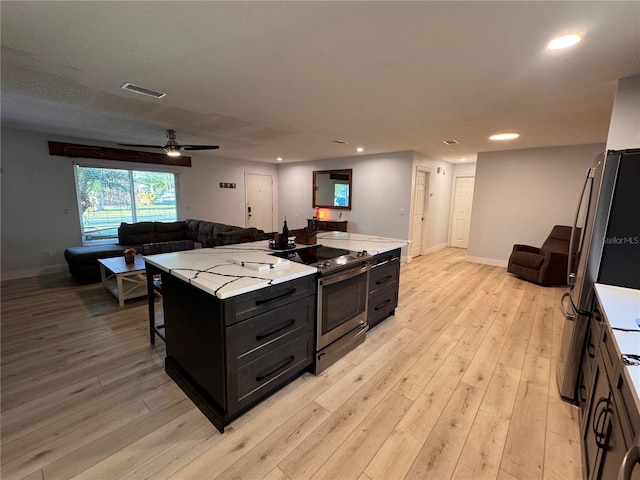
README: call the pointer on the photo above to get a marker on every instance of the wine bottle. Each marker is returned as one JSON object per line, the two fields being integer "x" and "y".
{"x": 284, "y": 238}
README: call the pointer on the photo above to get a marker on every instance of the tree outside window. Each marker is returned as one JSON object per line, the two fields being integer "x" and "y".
{"x": 107, "y": 197}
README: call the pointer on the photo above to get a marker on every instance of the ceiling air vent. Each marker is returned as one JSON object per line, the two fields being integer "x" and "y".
{"x": 341, "y": 142}
{"x": 142, "y": 90}
{"x": 450, "y": 142}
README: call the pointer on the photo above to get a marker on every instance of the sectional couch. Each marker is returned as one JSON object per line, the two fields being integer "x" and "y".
{"x": 156, "y": 237}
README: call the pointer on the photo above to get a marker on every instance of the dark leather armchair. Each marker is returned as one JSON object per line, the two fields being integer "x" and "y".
{"x": 546, "y": 265}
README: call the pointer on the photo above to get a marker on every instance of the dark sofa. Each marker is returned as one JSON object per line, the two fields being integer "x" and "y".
{"x": 546, "y": 265}
{"x": 156, "y": 237}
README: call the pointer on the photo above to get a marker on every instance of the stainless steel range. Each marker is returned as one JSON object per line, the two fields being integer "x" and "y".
{"x": 343, "y": 286}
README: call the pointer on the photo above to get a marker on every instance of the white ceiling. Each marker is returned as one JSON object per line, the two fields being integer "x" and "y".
{"x": 268, "y": 79}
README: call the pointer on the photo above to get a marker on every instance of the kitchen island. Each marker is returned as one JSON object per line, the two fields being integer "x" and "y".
{"x": 240, "y": 323}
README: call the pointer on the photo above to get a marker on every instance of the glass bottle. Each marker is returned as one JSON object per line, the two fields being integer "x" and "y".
{"x": 285, "y": 234}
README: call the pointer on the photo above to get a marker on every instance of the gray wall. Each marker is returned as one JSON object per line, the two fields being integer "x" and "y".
{"x": 40, "y": 211}
{"x": 380, "y": 191}
{"x": 521, "y": 194}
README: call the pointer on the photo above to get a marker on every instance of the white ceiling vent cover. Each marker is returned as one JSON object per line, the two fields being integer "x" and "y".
{"x": 143, "y": 90}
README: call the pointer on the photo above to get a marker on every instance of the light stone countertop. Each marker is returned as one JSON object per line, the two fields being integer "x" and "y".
{"x": 622, "y": 311}
{"x": 359, "y": 241}
{"x": 218, "y": 270}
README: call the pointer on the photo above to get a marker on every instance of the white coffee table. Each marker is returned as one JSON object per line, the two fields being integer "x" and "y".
{"x": 122, "y": 280}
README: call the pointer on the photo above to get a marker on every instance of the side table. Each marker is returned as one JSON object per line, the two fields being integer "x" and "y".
{"x": 121, "y": 280}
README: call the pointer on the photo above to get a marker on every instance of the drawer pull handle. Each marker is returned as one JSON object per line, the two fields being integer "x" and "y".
{"x": 279, "y": 328}
{"x": 583, "y": 396}
{"x": 382, "y": 280}
{"x": 630, "y": 459}
{"x": 383, "y": 304}
{"x": 277, "y": 297}
{"x": 273, "y": 370}
{"x": 600, "y": 427}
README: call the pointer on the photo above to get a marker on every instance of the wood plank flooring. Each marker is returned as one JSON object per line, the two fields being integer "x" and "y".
{"x": 459, "y": 384}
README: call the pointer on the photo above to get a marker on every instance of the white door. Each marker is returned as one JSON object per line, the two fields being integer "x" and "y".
{"x": 259, "y": 209}
{"x": 462, "y": 203}
{"x": 419, "y": 202}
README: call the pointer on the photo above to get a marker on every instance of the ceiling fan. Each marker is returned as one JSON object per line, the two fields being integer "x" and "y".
{"x": 173, "y": 147}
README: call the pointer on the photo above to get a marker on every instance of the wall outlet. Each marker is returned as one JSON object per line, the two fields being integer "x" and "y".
{"x": 402, "y": 211}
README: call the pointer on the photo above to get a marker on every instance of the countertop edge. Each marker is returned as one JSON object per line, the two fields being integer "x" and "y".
{"x": 607, "y": 306}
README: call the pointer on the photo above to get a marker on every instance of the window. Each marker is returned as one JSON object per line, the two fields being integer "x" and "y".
{"x": 341, "y": 195}
{"x": 108, "y": 196}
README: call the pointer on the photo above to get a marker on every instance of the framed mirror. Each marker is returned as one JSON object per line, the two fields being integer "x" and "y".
{"x": 332, "y": 189}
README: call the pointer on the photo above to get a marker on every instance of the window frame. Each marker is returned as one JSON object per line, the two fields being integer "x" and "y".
{"x": 115, "y": 165}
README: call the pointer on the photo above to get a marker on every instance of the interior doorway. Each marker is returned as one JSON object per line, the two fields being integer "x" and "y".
{"x": 420, "y": 209}
{"x": 461, "y": 212}
{"x": 259, "y": 206}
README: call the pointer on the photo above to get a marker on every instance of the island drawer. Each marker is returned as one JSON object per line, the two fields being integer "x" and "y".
{"x": 248, "y": 339}
{"x": 383, "y": 275}
{"x": 381, "y": 305}
{"x": 268, "y": 372}
{"x": 250, "y": 304}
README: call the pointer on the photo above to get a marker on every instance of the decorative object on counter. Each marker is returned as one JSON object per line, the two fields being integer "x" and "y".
{"x": 312, "y": 227}
{"x": 261, "y": 265}
{"x": 305, "y": 237}
{"x": 284, "y": 236}
{"x": 275, "y": 244}
{"x": 130, "y": 256}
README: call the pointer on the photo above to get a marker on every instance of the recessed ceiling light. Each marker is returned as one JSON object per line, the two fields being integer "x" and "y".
{"x": 359, "y": 149}
{"x": 463, "y": 159}
{"x": 564, "y": 41}
{"x": 279, "y": 159}
{"x": 504, "y": 136}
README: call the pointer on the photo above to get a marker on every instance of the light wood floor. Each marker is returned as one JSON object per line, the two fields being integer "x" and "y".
{"x": 459, "y": 384}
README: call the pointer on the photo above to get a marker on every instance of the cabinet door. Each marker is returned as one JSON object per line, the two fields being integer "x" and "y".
{"x": 597, "y": 424}
{"x": 616, "y": 447}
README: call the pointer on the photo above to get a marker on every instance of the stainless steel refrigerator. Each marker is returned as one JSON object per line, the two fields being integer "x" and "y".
{"x": 608, "y": 213}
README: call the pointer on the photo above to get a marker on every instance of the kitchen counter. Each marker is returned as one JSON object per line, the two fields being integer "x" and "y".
{"x": 219, "y": 271}
{"x": 359, "y": 241}
{"x": 621, "y": 309}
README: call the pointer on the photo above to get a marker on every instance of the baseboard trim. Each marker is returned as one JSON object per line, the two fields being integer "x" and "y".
{"x": 34, "y": 271}
{"x": 487, "y": 261}
{"x": 429, "y": 250}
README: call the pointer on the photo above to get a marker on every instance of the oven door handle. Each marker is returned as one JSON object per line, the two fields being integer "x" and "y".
{"x": 345, "y": 275}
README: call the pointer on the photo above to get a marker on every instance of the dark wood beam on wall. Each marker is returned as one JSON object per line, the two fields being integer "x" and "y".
{"x": 104, "y": 153}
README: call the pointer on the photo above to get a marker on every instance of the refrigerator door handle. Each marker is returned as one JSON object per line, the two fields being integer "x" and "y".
{"x": 569, "y": 316}
{"x": 571, "y": 274}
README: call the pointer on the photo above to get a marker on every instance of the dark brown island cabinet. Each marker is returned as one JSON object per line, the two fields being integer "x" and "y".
{"x": 229, "y": 354}
{"x": 384, "y": 283}
{"x": 609, "y": 418}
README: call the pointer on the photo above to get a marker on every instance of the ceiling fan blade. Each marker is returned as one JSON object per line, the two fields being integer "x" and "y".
{"x": 200, "y": 147}
{"x": 141, "y": 146}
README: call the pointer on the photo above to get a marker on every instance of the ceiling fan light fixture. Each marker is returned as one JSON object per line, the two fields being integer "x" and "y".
{"x": 172, "y": 151}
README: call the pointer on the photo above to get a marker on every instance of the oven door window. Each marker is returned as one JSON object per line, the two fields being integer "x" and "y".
{"x": 343, "y": 301}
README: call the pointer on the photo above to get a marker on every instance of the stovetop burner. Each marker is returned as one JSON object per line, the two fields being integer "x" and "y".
{"x": 325, "y": 259}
